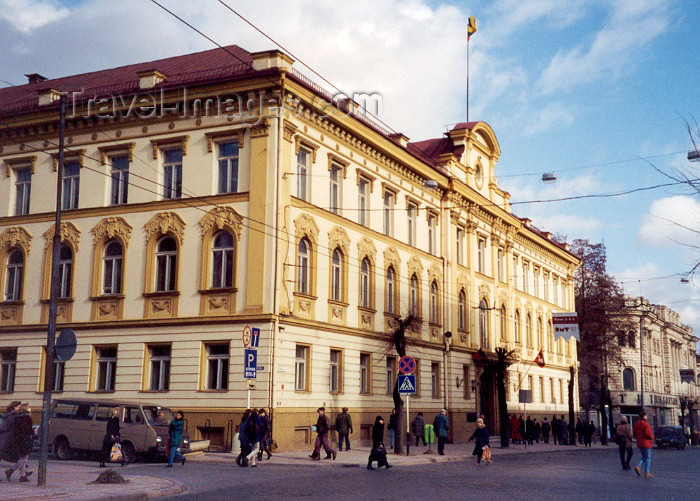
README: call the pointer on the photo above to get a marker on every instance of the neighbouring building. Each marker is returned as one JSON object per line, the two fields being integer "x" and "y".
{"x": 667, "y": 346}
{"x": 211, "y": 192}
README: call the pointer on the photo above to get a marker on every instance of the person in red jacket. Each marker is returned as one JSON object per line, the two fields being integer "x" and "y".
{"x": 644, "y": 437}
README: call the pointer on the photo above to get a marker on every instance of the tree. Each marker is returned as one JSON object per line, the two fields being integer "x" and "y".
{"x": 504, "y": 359}
{"x": 597, "y": 295}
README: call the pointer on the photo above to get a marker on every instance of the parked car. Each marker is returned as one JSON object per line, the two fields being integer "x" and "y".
{"x": 670, "y": 436}
{"x": 78, "y": 425}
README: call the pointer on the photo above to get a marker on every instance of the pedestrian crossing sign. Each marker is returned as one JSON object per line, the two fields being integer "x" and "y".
{"x": 407, "y": 384}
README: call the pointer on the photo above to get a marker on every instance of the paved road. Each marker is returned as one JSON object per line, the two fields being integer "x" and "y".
{"x": 577, "y": 474}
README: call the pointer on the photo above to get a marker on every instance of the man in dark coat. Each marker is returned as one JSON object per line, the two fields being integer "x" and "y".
{"x": 529, "y": 430}
{"x": 266, "y": 434}
{"x": 343, "y": 425}
{"x": 556, "y": 430}
{"x": 18, "y": 447}
{"x": 442, "y": 426}
{"x": 378, "y": 452}
{"x": 546, "y": 429}
{"x": 323, "y": 427}
{"x": 580, "y": 430}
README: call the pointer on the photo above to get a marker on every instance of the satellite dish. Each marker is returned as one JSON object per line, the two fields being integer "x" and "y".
{"x": 65, "y": 345}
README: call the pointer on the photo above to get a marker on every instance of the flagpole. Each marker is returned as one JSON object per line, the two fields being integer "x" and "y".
{"x": 468, "y": 38}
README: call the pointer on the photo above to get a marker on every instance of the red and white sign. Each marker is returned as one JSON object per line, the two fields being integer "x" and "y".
{"x": 565, "y": 325}
{"x": 247, "y": 334}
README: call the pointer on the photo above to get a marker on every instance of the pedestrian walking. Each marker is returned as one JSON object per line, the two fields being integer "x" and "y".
{"x": 536, "y": 431}
{"x": 322, "y": 427}
{"x": 563, "y": 432}
{"x": 442, "y": 426}
{"x": 521, "y": 429}
{"x": 624, "y": 442}
{"x": 418, "y": 428}
{"x": 515, "y": 436}
{"x": 111, "y": 436}
{"x": 580, "y": 431}
{"x": 343, "y": 425}
{"x": 19, "y": 443}
{"x": 7, "y": 421}
{"x": 255, "y": 430}
{"x": 175, "y": 430}
{"x": 529, "y": 433}
{"x": 546, "y": 429}
{"x": 243, "y": 438}
{"x": 266, "y": 435}
{"x": 556, "y": 430}
{"x": 378, "y": 452}
{"x": 481, "y": 441}
{"x": 393, "y": 425}
{"x": 588, "y": 431}
{"x": 645, "y": 438}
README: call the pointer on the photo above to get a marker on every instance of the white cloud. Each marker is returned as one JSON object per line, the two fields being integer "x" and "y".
{"x": 552, "y": 114}
{"x": 671, "y": 221}
{"x": 28, "y": 15}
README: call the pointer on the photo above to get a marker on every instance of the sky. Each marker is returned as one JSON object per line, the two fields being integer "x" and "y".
{"x": 596, "y": 91}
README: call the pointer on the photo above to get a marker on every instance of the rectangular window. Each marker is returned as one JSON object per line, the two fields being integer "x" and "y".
{"x": 526, "y": 277}
{"x": 71, "y": 185}
{"x": 501, "y": 265}
{"x": 561, "y": 391}
{"x": 228, "y": 167}
{"x": 460, "y": 245}
{"x": 466, "y": 382}
{"x": 59, "y": 368}
{"x": 389, "y": 200}
{"x": 536, "y": 277}
{"x": 435, "y": 379}
{"x": 303, "y": 174}
{"x": 546, "y": 286}
{"x": 529, "y": 383}
{"x": 432, "y": 229}
{"x": 365, "y": 373}
{"x": 481, "y": 255}
{"x": 555, "y": 290}
{"x": 363, "y": 202}
{"x": 412, "y": 212}
{"x": 515, "y": 272}
{"x": 301, "y": 366}
{"x": 336, "y": 371}
{"x": 336, "y": 174}
{"x": 541, "y": 389}
{"x": 106, "y": 368}
{"x": 218, "y": 356}
{"x": 390, "y": 374}
{"x": 172, "y": 173}
{"x": 8, "y": 364}
{"x": 551, "y": 388}
{"x": 120, "y": 180}
{"x": 23, "y": 186}
{"x": 159, "y": 367}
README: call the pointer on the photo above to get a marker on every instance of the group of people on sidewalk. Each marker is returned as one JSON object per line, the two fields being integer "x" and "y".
{"x": 530, "y": 431}
{"x": 17, "y": 438}
{"x": 254, "y": 432}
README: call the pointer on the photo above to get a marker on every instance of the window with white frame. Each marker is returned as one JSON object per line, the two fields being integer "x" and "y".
{"x": 120, "y": 180}
{"x": 303, "y": 173}
{"x": 301, "y": 364}
{"x": 435, "y": 379}
{"x": 503, "y": 323}
{"x": 388, "y": 211}
{"x": 516, "y": 327}
{"x": 540, "y": 334}
{"x": 159, "y": 367}
{"x": 337, "y": 275}
{"x": 8, "y": 364}
{"x": 59, "y": 369}
{"x": 228, "y": 166}
{"x": 14, "y": 273}
{"x": 413, "y": 295}
{"x": 462, "y": 310}
{"x": 555, "y": 290}
{"x": 390, "y": 306}
{"x": 484, "y": 323}
{"x": 365, "y": 270}
{"x": 172, "y": 173}
{"x": 166, "y": 265}
{"x": 541, "y": 381}
{"x": 112, "y": 263}
{"x": 23, "y": 190}
{"x": 481, "y": 255}
{"x": 365, "y": 368}
{"x": 432, "y": 233}
{"x": 411, "y": 214}
{"x": 65, "y": 271}
{"x": 363, "y": 201}
{"x": 336, "y": 371}
{"x": 561, "y": 391}
{"x": 526, "y": 277}
{"x": 390, "y": 374}
{"x": 303, "y": 266}
{"x": 536, "y": 279}
{"x": 500, "y": 256}
{"x": 553, "y": 393}
{"x": 218, "y": 356}
{"x": 222, "y": 251}
{"x": 335, "y": 191}
{"x": 528, "y": 330}
{"x": 546, "y": 286}
{"x": 71, "y": 185}
{"x": 434, "y": 317}
{"x": 106, "y": 368}
{"x": 460, "y": 245}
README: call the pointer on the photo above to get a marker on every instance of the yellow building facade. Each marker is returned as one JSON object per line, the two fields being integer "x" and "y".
{"x": 208, "y": 193}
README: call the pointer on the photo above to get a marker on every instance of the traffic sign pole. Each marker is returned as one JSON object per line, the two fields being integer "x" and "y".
{"x": 408, "y": 431}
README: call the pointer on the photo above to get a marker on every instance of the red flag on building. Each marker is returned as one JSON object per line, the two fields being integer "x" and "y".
{"x": 539, "y": 359}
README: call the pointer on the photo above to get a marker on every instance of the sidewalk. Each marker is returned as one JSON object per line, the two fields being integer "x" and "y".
{"x": 357, "y": 457}
{"x": 69, "y": 481}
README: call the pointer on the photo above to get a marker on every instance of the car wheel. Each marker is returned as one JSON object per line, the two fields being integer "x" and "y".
{"x": 62, "y": 449}
{"x": 129, "y": 452}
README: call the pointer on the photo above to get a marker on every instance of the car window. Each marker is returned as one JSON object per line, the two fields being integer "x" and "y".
{"x": 103, "y": 412}
{"x": 133, "y": 415}
{"x": 63, "y": 410}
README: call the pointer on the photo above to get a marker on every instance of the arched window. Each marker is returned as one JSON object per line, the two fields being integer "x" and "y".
{"x": 433, "y": 302}
{"x": 628, "y": 380}
{"x": 413, "y": 295}
{"x": 112, "y": 268}
{"x": 503, "y": 323}
{"x": 390, "y": 290}
{"x": 550, "y": 335}
{"x": 14, "y": 275}
{"x": 516, "y": 325}
{"x": 632, "y": 339}
{"x": 166, "y": 265}
{"x": 337, "y": 275}
{"x": 365, "y": 270}
{"x": 462, "y": 310}
{"x": 222, "y": 261}
{"x": 540, "y": 333}
{"x": 621, "y": 338}
{"x": 303, "y": 266}
{"x": 483, "y": 323}
{"x": 528, "y": 330}
{"x": 65, "y": 270}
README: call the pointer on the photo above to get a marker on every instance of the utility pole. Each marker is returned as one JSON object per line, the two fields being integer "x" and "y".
{"x": 49, "y": 369}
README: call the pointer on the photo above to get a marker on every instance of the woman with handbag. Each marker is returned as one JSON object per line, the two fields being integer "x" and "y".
{"x": 111, "y": 437}
{"x": 378, "y": 452}
{"x": 481, "y": 442}
{"x": 623, "y": 439}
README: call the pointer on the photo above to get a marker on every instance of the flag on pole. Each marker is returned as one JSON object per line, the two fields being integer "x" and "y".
{"x": 539, "y": 359}
{"x": 471, "y": 27}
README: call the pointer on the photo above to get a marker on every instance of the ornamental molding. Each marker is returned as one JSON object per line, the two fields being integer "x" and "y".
{"x": 434, "y": 273}
{"x": 484, "y": 292}
{"x": 16, "y": 237}
{"x": 305, "y": 226}
{"x": 338, "y": 237}
{"x": 463, "y": 282}
{"x": 69, "y": 234}
{"x": 414, "y": 266}
{"x": 165, "y": 223}
{"x": 112, "y": 227}
{"x": 366, "y": 248}
{"x": 220, "y": 218}
{"x": 391, "y": 258}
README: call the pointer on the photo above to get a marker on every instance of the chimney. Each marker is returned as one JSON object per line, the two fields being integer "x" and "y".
{"x": 35, "y": 78}
{"x": 271, "y": 59}
{"x": 399, "y": 138}
{"x": 150, "y": 78}
{"x": 48, "y": 96}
